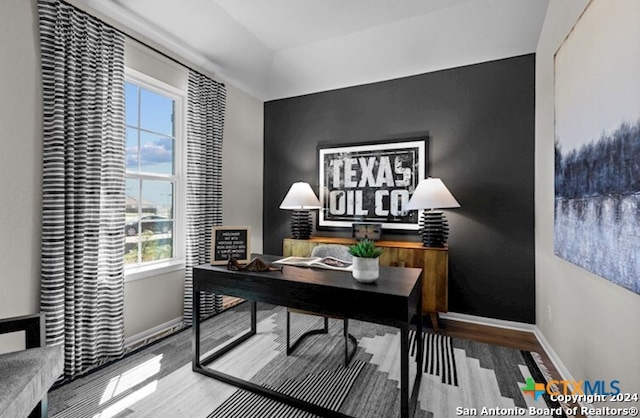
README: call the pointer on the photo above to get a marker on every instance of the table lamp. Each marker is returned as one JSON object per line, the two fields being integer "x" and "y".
{"x": 431, "y": 194}
{"x": 300, "y": 198}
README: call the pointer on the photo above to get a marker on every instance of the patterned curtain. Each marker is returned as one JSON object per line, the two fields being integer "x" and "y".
{"x": 206, "y": 103}
{"x": 82, "y": 291}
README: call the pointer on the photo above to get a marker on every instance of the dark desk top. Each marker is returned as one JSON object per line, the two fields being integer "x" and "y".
{"x": 391, "y": 299}
{"x": 398, "y": 281}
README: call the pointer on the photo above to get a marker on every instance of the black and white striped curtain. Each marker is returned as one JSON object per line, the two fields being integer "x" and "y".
{"x": 206, "y": 104}
{"x": 82, "y": 291}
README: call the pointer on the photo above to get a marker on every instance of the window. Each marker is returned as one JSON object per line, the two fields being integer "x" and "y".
{"x": 153, "y": 114}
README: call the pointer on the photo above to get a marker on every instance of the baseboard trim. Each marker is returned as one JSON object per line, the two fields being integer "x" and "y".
{"x": 492, "y": 322}
{"x": 150, "y": 334}
{"x": 564, "y": 372}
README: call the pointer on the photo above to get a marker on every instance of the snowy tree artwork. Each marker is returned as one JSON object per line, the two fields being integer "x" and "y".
{"x": 597, "y": 143}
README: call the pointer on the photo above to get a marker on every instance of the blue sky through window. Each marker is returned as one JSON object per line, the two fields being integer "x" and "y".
{"x": 150, "y": 131}
{"x": 150, "y": 144}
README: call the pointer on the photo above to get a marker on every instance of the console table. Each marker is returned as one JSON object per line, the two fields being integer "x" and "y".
{"x": 434, "y": 263}
{"x": 393, "y": 300}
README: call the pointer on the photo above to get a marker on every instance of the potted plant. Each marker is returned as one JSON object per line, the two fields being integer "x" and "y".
{"x": 366, "y": 264}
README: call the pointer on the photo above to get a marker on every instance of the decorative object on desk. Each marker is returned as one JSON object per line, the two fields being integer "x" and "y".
{"x": 366, "y": 230}
{"x": 300, "y": 198}
{"x": 431, "y": 194}
{"x": 328, "y": 262}
{"x": 370, "y": 183}
{"x": 257, "y": 264}
{"x": 366, "y": 262}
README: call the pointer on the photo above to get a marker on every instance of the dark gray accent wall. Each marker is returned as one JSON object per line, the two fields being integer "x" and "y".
{"x": 480, "y": 120}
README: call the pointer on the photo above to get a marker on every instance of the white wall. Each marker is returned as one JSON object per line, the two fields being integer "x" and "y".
{"x": 148, "y": 302}
{"x": 242, "y": 151}
{"x": 594, "y": 325}
{"x": 20, "y": 160}
{"x": 242, "y": 166}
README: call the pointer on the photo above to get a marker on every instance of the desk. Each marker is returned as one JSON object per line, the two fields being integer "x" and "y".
{"x": 394, "y": 299}
{"x": 434, "y": 263}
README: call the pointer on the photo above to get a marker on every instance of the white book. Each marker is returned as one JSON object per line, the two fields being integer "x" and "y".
{"x": 327, "y": 262}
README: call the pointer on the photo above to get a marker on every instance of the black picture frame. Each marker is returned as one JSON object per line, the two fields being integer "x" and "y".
{"x": 371, "y": 182}
{"x": 230, "y": 241}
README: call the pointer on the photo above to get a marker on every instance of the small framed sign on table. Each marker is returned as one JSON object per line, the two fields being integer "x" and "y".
{"x": 365, "y": 230}
{"x": 230, "y": 241}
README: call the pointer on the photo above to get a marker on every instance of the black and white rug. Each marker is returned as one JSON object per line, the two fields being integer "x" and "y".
{"x": 460, "y": 376}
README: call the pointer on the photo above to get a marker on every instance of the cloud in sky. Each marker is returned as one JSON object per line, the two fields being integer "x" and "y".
{"x": 151, "y": 152}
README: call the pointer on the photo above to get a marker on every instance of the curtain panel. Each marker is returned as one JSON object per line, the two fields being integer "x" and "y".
{"x": 82, "y": 291}
{"x": 206, "y": 104}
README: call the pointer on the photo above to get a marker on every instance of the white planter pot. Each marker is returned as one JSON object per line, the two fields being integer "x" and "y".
{"x": 366, "y": 270}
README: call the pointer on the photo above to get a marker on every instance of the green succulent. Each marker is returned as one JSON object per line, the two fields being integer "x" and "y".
{"x": 365, "y": 249}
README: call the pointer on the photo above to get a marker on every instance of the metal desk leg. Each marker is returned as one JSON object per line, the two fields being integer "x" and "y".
{"x": 404, "y": 371}
{"x": 195, "y": 331}
{"x": 198, "y": 363}
{"x": 233, "y": 343}
{"x": 254, "y": 317}
{"x": 199, "y": 366}
{"x": 420, "y": 342}
{"x": 419, "y": 360}
{"x": 348, "y": 337}
{"x": 292, "y": 347}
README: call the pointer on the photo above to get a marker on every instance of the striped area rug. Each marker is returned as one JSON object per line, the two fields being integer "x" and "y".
{"x": 158, "y": 380}
{"x": 327, "y": 388}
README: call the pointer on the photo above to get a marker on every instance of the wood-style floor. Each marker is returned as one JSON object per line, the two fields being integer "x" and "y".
{"x": 178, "y": 351}
{"x": 520, "y": 340}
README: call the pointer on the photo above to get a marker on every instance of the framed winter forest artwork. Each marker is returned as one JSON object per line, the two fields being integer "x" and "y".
{"x": 597, "y": 143}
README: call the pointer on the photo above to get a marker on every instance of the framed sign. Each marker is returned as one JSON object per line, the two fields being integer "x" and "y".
{"x": 230, "y": 241}
{"x": 371, "y": 183}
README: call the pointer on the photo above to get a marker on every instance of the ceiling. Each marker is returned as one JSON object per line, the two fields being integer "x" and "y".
{"x": 274, "y": 49}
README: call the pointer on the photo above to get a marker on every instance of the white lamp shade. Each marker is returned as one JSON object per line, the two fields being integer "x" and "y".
{"x": 431, "y": 193}
{"x": 300, "y": 196}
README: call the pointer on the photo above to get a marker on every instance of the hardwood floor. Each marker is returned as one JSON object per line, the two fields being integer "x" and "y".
{"x": 520, "y": 340}
{"x": 175, "y": 351}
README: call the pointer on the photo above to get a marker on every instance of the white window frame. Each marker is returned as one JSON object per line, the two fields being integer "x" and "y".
{"x": 155, "y": 268}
